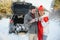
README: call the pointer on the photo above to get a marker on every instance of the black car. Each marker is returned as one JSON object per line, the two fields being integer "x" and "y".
{"x": 17, "y": 20}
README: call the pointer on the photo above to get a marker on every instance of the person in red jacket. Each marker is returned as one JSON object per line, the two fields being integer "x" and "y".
{"x": 40, "y": 27}
{"x": 39, "y": 23}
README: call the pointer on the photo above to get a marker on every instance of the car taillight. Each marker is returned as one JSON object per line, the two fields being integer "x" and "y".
{"x": 11, "y": 21}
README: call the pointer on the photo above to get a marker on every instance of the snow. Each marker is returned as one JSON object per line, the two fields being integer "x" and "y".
{"x": 54, "y": 30}
{"x": 4, "y": 24}
{"x": 4, "y": 35}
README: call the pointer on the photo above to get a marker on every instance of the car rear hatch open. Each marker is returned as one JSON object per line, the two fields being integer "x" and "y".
{"x": 20, "y": 9}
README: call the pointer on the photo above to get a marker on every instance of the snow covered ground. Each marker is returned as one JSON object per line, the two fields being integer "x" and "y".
{"x": 4, "y": 35}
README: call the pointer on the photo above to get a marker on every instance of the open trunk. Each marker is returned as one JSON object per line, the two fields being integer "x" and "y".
{"x": 18, "y": 19}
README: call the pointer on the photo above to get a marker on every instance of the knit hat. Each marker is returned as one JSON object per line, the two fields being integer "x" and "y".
{"x": 40, "y": 8}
